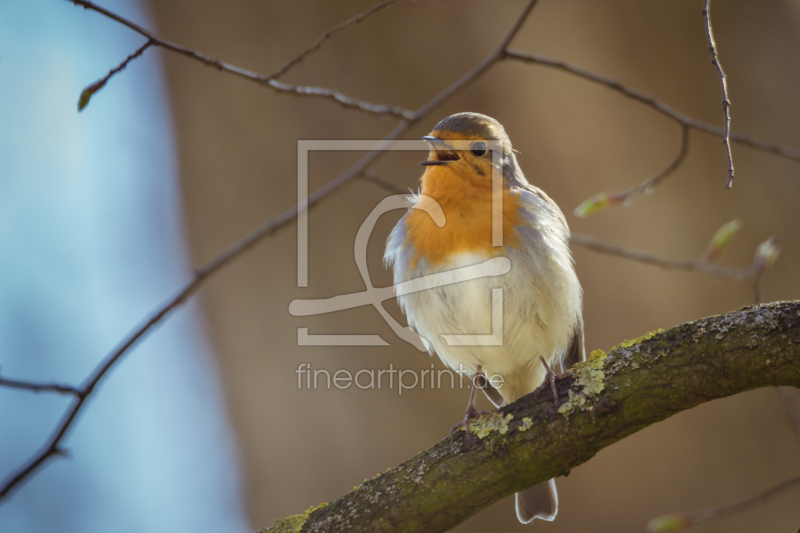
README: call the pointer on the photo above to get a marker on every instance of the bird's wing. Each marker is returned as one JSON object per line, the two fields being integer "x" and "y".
{"x": 398, "y": 255}
{"x": 554, "y": 206}
{"x": 576, "y": 351}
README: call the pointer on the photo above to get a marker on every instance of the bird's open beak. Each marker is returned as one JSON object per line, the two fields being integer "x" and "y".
{"x": 441, "y": 155}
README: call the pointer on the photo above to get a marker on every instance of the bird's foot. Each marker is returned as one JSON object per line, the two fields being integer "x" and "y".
{"x": 550, "y": 380}
{"x": 470, "y": 414}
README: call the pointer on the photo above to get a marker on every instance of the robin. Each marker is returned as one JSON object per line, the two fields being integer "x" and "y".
{"x": 542, "y": 325}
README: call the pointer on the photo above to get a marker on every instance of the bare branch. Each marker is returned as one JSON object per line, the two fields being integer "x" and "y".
{"x": 689, "y": 265}
{"x": 40, "y": 387}
{"x": 327, "y": 35}
{"x": 766, "y": 255}
{"x": 606, "y": 399}
{"x": 262, "y": 79}
{"x": 647, "y": 186}
{"x": 385, "y": 184}
{"x": 601, "y": 201}
{"x": 726, "y": 103}
{"x": 659, "y": 106}
{"x": 51, "y": 447}
{"x": 88, "y": 92}
{"x": 346, "y": 101}
{"x": 498, "y": 54}
{"x": 675, "y": 522}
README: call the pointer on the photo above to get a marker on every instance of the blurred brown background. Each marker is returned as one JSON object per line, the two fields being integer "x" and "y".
{"x": 238, "y": 156}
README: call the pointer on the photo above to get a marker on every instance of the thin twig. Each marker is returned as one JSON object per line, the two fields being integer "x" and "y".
{"x": 385, "y": 184}
{"x": 726, "y": 103}
{"x": 678, "y": 521}
{"x": 327, "y": 35}
{"x": 689, "y": 265}
{"x": 51, "y": 447}
{"x": 88, "y": 92}
{"x": 346, "y": 101}
{"x": 602, "y": 200}
{"x": 651, "y": 101}
{"x": 647, "y": 186}
{"x": 301, "y": 90}
{"x": 498, "y": 54}
{"x": 40, "y": 387}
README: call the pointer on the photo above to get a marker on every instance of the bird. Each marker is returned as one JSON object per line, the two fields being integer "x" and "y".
{"x": 542, "y": 299}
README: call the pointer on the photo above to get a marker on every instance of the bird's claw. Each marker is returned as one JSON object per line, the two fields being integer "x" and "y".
{"x": 550, "y": 380}
{"x": 470, "y": 414}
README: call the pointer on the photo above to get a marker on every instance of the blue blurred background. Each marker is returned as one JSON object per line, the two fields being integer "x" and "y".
{"x": 91, "y": 239}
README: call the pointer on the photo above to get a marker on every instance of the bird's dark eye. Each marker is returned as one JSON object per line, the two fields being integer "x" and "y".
{"x": 479, "y": 149}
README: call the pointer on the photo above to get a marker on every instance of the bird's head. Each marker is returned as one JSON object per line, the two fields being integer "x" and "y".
{"x": 461, "y": 146}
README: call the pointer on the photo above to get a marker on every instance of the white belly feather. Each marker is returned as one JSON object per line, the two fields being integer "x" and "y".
{"x": 542, "y": 303}
{"x": 538, "y": 319}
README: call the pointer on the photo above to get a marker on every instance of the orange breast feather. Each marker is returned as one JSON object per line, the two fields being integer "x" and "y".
{"x": 467, "y": 206}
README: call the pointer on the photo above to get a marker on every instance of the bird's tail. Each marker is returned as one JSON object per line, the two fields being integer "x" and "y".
{"x": 539, "y": 501}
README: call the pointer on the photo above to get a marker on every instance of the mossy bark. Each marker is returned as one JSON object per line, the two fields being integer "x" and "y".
{"x": 606, "y": 399}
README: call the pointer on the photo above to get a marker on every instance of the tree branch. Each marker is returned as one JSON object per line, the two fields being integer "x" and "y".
{"x": 88, "y": 92}
{"x": 651, "y": 101}
{"x": 675, "y": 522}
{"x": 602, "y": 200}
{"x": 40, "y": 387}
{"x": 262, "y": 79}
{"x": 608, "y": 398}
{"x": 689, "y": 265}
{"x": 327, "y": 35}
{"x": 723, "y": 81}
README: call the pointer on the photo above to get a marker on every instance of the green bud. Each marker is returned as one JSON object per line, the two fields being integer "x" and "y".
{"x": 668, "y": 522}
{"x": 596, "y": 203}
{"x": 768, "y": 251}
{"x": 722, "y": 237}
{"x": 86, "y": 94}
